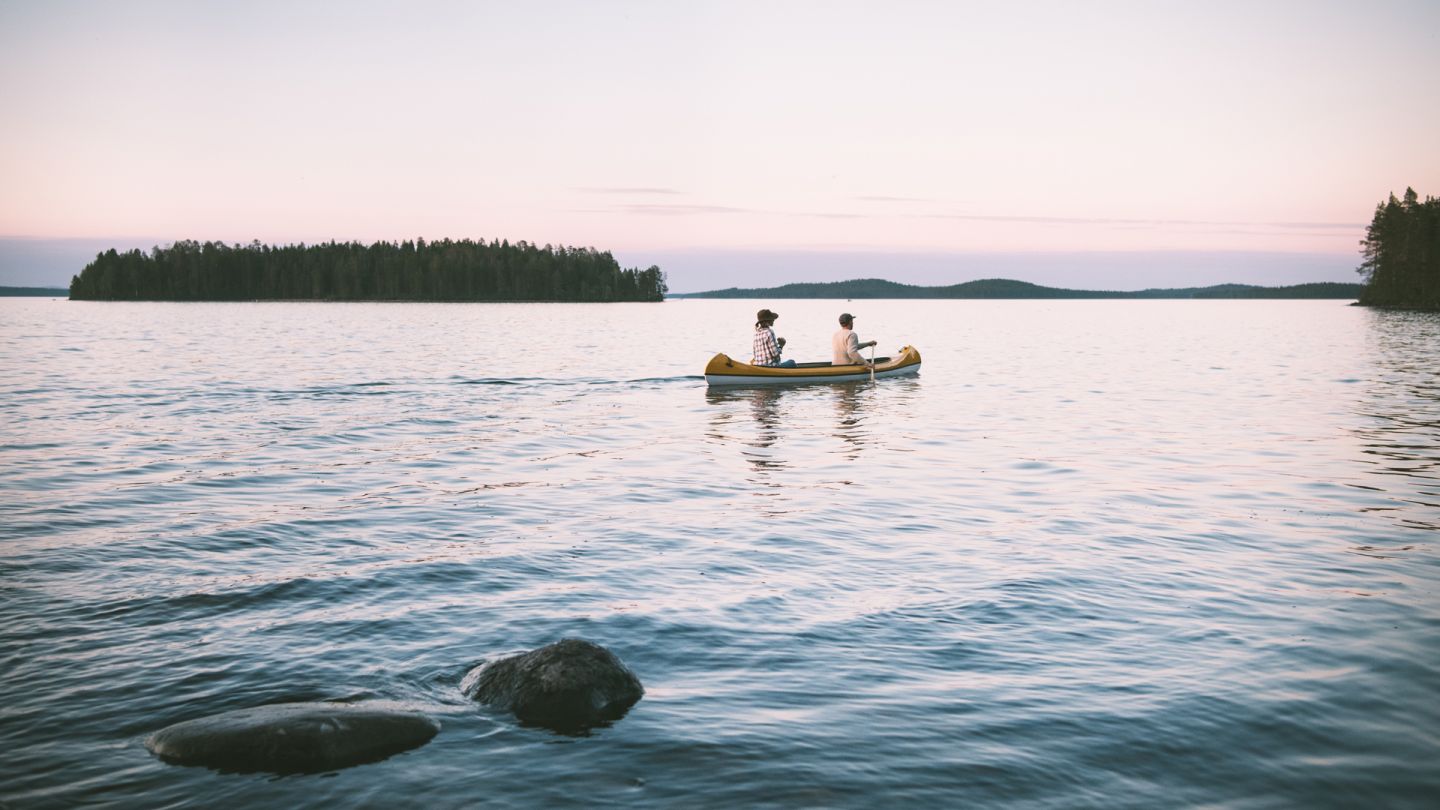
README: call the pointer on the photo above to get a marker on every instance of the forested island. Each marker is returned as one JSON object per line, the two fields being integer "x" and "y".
{"x": 1402, "y": 254}
{"x": 1007, "y": 288}
{"x": 443, "y": 270}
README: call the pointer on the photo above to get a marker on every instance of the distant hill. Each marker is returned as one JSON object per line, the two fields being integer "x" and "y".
{"x": 1009, "y": 289}
{"x": 37, "y": 292}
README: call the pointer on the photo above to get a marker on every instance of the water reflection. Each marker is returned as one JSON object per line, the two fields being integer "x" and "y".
{"x": 1400, "y": 409}
{"x": 844, "y": 411}
{"x": 765, "y": 408}
{"x": 851, "y": 402}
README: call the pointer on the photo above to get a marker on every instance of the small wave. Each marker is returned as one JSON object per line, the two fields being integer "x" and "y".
{"x": 680, "y": 378}
{"x": 30, "y": 447}
{"x": 493, "y": 381}
{"x": 159, "y": 609}
{"x": 348, "y": 390}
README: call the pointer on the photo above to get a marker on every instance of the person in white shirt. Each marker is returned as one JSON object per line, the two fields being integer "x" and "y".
{"x": 846, "y": 345}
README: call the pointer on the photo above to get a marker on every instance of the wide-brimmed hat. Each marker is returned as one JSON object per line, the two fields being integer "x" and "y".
{"x": 766, "y": 315}
{"x": 846, "y": 317}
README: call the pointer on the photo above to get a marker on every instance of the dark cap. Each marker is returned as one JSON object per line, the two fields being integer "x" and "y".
{"x": 766, "y": 315}
{"x": 845, "y": 318}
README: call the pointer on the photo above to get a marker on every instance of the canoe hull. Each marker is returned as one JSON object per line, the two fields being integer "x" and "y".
{"x": 722, "y": 370}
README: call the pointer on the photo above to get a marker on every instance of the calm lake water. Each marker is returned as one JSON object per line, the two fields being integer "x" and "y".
{"x": 1097, "y": 554}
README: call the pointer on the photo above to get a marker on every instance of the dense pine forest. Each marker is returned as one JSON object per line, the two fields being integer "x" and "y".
{"x": 1402, "y": 254}
{"x": 444, "y": 270}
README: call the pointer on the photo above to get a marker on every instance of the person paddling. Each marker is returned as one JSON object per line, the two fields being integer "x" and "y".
{"x": 766, "y": 348}
{"x": 846, "y": 344}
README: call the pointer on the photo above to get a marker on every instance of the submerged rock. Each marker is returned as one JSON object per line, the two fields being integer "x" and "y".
{"x": 293, "y": 737}
{"x": 568, "y": 686}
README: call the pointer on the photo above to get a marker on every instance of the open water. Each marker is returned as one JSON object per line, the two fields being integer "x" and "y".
{"x": 1098, "y": 554}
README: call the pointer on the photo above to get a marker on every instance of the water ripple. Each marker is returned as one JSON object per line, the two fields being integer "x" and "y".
{"x": 1097, "y": 554}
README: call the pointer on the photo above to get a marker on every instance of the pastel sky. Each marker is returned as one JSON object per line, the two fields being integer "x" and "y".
{"x": 707, "y": 136}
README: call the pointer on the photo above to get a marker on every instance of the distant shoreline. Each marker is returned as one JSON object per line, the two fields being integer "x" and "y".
{"x": 1000, "y": 288}
{"x": 34, "y": 292}
{"x": 991, "y": 289}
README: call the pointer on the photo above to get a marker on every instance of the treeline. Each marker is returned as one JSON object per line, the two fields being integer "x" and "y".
{"x": 443, "y": 270}
{"x": 30, "y": 292}
{"x": 1003, "y": 288}
{"x": 1402, "y": 254}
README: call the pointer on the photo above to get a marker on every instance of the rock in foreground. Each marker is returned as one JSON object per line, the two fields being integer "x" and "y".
{"x": 293, "y": 737}
{"x": 568, "y": 686}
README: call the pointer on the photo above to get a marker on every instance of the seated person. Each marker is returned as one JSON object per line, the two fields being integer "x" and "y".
{"x": 766, "y": 347}
{"x": 846, "y": 345}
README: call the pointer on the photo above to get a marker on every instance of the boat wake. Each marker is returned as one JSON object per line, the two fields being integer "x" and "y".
{"x": 580, "y": 381}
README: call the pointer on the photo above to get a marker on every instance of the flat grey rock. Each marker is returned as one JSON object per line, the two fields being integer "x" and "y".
{"x": 293, "y": 737}
{"x": 569, "y": 686}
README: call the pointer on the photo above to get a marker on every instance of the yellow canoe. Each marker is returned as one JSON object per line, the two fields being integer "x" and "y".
{"x": 723, "y": 370}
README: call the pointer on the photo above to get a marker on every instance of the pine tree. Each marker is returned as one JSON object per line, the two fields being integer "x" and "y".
{"x": 1401, "y": 254}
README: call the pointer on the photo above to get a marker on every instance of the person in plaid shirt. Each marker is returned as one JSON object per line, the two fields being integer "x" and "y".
{"x": 766, "y": 349}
